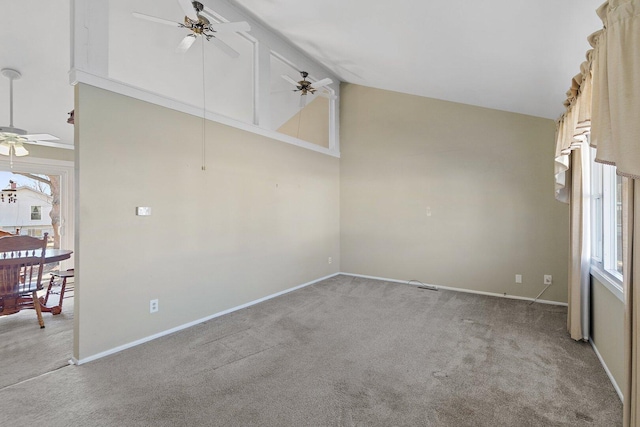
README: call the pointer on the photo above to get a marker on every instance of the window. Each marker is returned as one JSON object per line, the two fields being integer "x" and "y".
{"x": 618, "y": 238}
{"x": 36, "y": 213}
{"x": 596, "y": 209}
{"x": 606, "y": 236}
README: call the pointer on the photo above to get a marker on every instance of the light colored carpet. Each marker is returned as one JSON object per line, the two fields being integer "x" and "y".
{"x": 343, "y": 352}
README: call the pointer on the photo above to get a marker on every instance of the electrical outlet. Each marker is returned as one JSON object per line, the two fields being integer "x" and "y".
{"x": 548, "y": 279}
{"x": 153, "y": 306}
{"x": 518, "y": 278}
{"x": 330, "y": 260}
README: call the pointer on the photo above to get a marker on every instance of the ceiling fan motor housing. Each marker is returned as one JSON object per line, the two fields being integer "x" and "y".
{"x": 16, "y": 131}
{"x": 197, "y": 6}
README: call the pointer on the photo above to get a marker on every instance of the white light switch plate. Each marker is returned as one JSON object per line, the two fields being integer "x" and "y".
{"x": 143, "y": 211}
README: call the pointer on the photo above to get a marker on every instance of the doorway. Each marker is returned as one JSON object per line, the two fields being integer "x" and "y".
{"x": 37, "y": 197}
{"x": 41, "y": 200}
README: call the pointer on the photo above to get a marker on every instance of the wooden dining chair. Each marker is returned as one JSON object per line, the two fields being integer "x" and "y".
{"x": 57, "y": 286}
{"x": 21, "y": 262}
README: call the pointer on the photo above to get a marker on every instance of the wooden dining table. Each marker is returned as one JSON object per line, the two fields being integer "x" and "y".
{"x": 56, "y": 255}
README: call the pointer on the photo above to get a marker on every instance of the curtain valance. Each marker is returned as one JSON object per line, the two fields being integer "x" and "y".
{"x": 574, "y": 126}
{"x": 615, "y": 119}
{"x": 603, "y": 102}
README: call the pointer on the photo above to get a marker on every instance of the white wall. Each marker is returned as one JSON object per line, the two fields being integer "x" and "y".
{"x": 484, "y": 175}
{"x": 263, "y": 217}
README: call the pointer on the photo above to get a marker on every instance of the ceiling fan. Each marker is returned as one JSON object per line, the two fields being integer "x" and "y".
{"x": 198, "y": 21}
{"x": 304, "y": 86}
{"x": 12, "y": 138}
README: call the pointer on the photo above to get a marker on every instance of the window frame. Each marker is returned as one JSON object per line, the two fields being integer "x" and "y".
{"x": 36, "y": 210}
{"x": 604, "y": 205}
{"x": 596, "y": 211}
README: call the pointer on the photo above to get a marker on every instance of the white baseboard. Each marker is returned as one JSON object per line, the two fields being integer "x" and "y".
{"x": 606, "y": 369}
{"x": 469, "y": 291}
{"x": 188, "y": 325}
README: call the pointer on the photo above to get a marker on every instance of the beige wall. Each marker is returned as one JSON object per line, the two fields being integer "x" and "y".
{"x": 486, "y": 177}
{"x": 311, "y": 123}
{"x": 262, "y": 218}
{"x": 607, "y": 329}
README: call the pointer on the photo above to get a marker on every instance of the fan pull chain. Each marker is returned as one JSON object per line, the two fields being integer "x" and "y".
{"x": 204, "y": 114}
{"x": 299, "y": 120}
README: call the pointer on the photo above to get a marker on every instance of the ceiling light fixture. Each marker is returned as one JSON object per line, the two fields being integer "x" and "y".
{"x": 199, "y": 22}
{"x": 304, "y": 86}
{"x": 12, "y": 138}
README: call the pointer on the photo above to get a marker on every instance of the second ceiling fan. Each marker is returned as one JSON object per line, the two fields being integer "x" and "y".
{"x": 198, "y": 21}
{"x": 305, "y": 87}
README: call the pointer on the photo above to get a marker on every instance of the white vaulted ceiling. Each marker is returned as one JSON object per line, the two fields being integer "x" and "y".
{"x": 512, "y": 55}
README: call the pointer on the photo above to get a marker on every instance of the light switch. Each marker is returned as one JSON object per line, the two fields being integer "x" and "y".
{"x": 143, "y": 211}
{"x": 518, "y": 278}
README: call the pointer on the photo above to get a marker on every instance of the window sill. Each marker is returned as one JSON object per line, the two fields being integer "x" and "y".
{"x": 610, "y": 282}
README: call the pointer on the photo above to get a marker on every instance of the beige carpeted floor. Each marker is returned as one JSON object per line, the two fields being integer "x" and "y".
{"x": 343, "y": 352}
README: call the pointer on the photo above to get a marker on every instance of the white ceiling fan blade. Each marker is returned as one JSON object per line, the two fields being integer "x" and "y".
{"x": 224, "y": 47}
{"x": 290, "y": 80}
{"x": 41, "y": 137}
{"x": 230, "y": 27}
{"x": 186, "y": 43}
{"x": 321, "y": 83}
{"x": 303, "y": 100}
{"x": 5, "y": 148}
{"x": 188, "y": 9}
{"x": 156, "y": 20}
{"x": 19, "y": 150}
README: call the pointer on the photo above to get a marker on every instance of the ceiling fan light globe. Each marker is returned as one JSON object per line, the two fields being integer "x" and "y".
{"x": 19, "y": 150}
{"x": 5, "y": 149}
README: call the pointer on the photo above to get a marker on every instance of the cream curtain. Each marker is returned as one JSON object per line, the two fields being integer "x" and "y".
{"x": 615, "y": 132}
{"x": 572, "y": 185}
{"x": 580, "y": 252}
{"x": 573, "y": 127}
{"x": 609, "y": 95}
{"x": 631, "y": 270}
{"x": 616, "y": 90}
